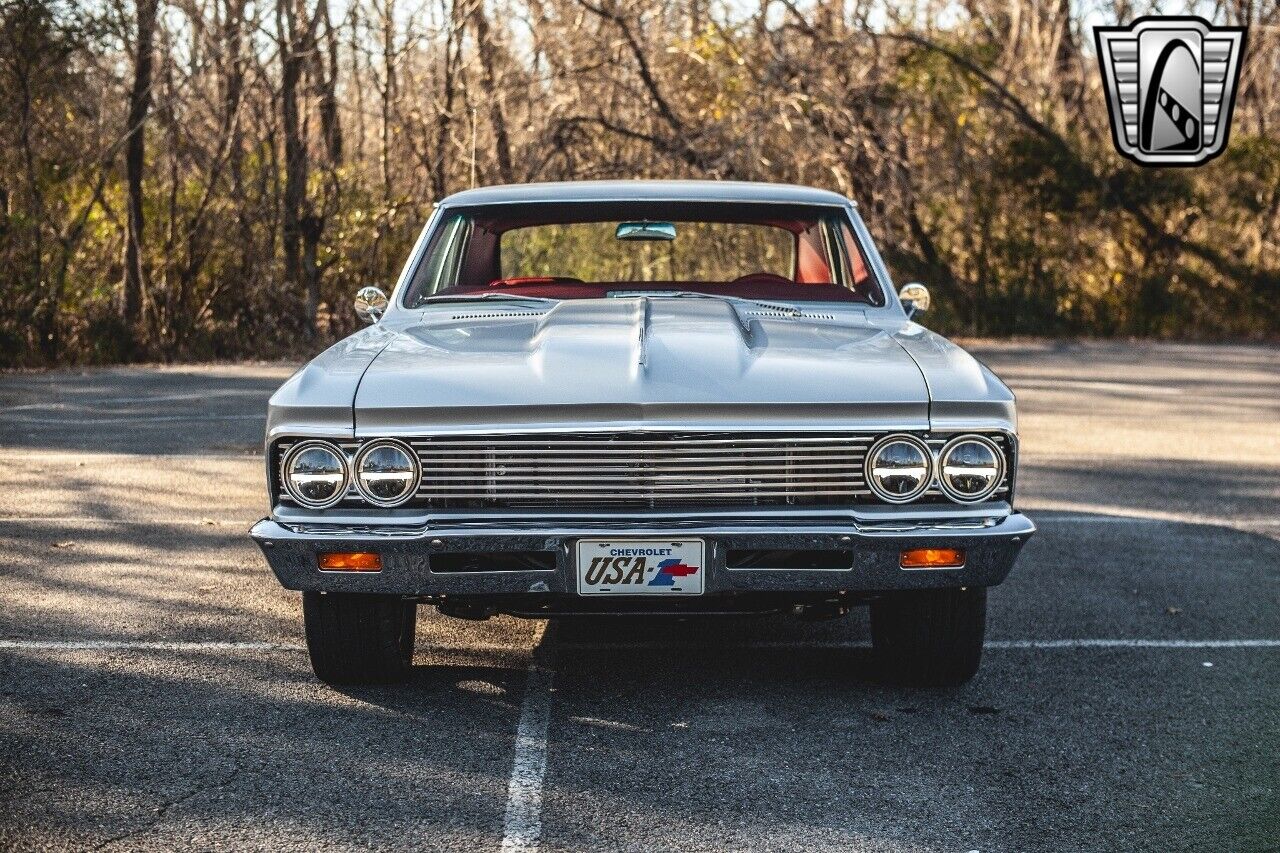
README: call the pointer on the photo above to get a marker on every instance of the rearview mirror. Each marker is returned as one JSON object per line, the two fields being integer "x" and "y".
{"x": 914, "y": 298}
{"x": 371, "y": 304}
{"x": 645, "y": 231}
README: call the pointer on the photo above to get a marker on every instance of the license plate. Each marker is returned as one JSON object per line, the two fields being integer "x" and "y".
{"x": 640, "y": 566}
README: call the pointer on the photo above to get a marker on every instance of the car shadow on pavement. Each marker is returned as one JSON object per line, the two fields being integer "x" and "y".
{"x": 731, "y": 743}
{"x": 158, "y": 750}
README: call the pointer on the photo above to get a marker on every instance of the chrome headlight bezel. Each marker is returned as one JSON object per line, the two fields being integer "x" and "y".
{"x": 414, "y": 464}
{"x": 286, "y": 472}
{"x": 868, "y": 467}
{"x": 1001, "y": 468}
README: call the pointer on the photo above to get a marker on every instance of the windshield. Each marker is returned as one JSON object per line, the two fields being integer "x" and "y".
{"x": 581, "y": 251}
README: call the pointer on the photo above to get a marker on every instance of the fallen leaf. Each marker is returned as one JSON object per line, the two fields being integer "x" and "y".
{"x": 1173, "y": 611}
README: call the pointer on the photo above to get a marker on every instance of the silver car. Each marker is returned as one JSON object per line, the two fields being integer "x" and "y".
{"x": 643, "y": 398}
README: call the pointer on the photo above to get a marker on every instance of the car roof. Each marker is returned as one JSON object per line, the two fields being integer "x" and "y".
{"x": 589, "y": 191}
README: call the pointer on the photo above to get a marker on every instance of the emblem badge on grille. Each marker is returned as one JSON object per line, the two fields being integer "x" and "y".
{"x": 1170, "y": 84}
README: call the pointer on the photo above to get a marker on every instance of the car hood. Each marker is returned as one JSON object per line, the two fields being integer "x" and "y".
{"x": 641, "y": 361}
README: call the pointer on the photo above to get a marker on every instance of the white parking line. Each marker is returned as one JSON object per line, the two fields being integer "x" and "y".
{"x": 545, "y": 673}
{"x": 148, "y": 645}
{"x": 990, "y": 645}
{"x": 1139, "y": 517}
{"x": 166, "y": 419}
{"x": 522, "y": 824}
{"x": 134, "y": 522}
{"x": 1088, "y": 385}
{"x": 88, "y": 402}
{"x": 1133, "y": 643}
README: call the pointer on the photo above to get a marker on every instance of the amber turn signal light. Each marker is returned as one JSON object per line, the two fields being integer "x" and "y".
{"x": 359, "y": 561}
{"x": 932, "y": 558}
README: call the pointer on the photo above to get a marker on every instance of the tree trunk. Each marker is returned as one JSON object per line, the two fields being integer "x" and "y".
{"x": 135, "y": 163}
{"x": 444, "y": 119}
{"x": 330, "y": 126}
{"x": 311, "y": 227}
{"x": 497, "y": 117}
{"x": 233, "y": 93}
{"x": 292, "y": 24}
{"x": 388, "y": 94}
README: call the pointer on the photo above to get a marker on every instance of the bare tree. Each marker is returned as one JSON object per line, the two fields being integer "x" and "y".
{"x": 135, "y": 160}
{"x": 199, "y": 178}
{"x": 295, "y": 39}
{"x": 488, "y": 50}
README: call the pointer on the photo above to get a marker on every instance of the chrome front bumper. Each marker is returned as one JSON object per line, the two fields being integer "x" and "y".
{"x": 873, "y": 538}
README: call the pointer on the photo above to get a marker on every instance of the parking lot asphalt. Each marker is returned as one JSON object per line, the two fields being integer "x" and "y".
{"x": 154, "y": 693}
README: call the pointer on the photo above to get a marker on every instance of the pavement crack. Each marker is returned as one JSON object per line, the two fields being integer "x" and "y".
{"x": 162, "y": 811}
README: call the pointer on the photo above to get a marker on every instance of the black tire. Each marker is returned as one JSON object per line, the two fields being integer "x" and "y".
{"x": 359, "y": 639}
{"x": 929, "y": 638}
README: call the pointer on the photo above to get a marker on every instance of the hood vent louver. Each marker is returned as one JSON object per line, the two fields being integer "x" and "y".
{"x": 788, "y": 315}
{"x": 498, "y": 315}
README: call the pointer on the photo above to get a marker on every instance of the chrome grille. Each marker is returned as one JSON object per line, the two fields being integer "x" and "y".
{"x": 639, "y": 469}
{"x": 644, "y": 470}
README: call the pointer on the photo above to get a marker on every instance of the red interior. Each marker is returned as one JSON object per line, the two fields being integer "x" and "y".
{"x": 480, "y": 266}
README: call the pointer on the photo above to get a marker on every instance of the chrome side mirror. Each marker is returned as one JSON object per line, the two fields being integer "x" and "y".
{"x": 371, "y": 304}
{"x": 914, "y": 298}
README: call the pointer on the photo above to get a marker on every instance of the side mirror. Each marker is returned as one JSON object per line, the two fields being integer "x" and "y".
{"x": 371, "y": 304}
{"x": 914, "y": 298}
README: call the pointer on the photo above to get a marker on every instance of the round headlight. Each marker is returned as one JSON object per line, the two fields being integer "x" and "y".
{"x": 386, "y": 473}
{"x": 972, "y": 468}
{"x": 315, "y": 474}
{"x": 898, "y": 468}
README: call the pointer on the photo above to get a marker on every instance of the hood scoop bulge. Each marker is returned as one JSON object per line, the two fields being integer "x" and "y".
{"x": 595, "y": 361}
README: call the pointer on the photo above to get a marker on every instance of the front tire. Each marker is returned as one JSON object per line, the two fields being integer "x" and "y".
{"x": 929, "y": 638}
{"x": 359, "y": 639}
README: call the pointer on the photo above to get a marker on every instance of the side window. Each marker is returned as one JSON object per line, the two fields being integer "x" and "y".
{"x": 814, "y": 259}
{"x": 861, "y": 281}
{"x": 437, "y": 262}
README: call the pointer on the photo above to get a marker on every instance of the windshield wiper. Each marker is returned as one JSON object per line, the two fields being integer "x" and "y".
{"x": 506, "y": 297}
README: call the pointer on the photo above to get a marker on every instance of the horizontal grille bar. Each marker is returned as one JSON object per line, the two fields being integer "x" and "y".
{"x": 607, "y": 451}
{"x": 511, "y": 469}
{"x": 499, "y": 442}
{"x": 527, "y": 499}
{"x": 649, "y": 484}
{"x": 647, "y": 477}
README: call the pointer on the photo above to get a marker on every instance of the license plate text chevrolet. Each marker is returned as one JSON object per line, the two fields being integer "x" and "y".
{"x": 647, "y": 398}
